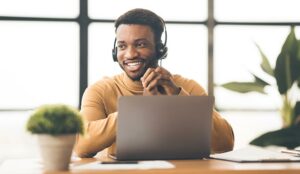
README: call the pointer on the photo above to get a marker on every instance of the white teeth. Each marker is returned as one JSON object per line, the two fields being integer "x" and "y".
{"x": 134, "y": 63}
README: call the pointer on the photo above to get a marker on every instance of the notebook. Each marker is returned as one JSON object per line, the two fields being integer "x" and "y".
{"x": 255, "y": 154}
{"x": 163, "y": 127}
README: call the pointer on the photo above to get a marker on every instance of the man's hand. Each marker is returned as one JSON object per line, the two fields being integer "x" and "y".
{"x": 158, "y": 81}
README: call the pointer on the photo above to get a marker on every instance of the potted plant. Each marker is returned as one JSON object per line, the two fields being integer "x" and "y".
{"x": 56, "y": 126}
{"x": 287, "y": 75}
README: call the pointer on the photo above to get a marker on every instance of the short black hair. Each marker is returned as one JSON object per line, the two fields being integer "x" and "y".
{"x": 143, "y": 17}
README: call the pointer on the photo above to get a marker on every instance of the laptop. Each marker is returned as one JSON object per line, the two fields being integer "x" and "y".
{"x": 164, "y": 127}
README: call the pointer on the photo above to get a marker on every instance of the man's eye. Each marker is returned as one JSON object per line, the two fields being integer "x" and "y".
{"x": 121, "y": 47}
{"x": 141, "y": 45}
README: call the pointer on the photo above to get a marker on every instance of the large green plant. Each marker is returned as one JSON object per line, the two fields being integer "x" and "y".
{"x": 55, "y": 119}
{"x": 287, "y": 75}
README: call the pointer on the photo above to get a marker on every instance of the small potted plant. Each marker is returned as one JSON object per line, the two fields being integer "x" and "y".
{"x": 56, "y": 126}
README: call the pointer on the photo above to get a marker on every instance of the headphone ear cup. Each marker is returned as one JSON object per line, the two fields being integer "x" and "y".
{"x": 115, "y": 51}
{"x": 114, "y": 54}
{"x": 162, "y": 51}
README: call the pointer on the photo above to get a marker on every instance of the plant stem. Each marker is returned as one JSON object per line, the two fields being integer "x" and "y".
{"x": 287, "y": 110}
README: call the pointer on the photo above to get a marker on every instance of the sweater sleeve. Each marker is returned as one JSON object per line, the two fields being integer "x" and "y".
{"x": 222, "y": 137}
{"x": 100, "y": 128}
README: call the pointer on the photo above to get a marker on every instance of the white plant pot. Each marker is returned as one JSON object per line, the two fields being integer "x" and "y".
{"x": 56, "y": 150}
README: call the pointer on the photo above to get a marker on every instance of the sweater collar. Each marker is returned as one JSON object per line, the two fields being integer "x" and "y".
{"x": 134, "y": 86}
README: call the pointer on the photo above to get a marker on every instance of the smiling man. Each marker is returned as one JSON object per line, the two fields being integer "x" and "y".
{"x": 138, "y": 48}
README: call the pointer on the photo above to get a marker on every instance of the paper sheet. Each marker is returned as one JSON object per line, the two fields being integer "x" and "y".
{"x": 141, "y": 165}
{"x": 255, "y": 154}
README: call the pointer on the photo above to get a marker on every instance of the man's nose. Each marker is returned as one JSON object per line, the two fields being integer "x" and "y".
{"x": 131, "y": 52}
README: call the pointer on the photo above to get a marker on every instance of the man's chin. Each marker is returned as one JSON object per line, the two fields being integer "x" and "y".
{"x": 135, "y": 77}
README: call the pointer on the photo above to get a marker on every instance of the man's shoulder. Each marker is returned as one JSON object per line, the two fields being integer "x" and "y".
{"x": 188, "y": 84}
{"x": 106, "y": 82}
{"x": 182, "y": 80}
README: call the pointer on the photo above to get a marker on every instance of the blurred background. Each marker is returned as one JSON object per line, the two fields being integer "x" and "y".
{"x": 51, "y": 50}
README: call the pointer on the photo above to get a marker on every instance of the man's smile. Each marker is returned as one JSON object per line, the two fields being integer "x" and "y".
{"x": 134, "y": 65}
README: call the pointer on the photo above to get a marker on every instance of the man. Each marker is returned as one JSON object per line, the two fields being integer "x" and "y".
{"x": 137, "y": 49}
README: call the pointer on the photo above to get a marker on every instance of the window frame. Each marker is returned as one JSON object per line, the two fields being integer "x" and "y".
{"x": 83, "y": 20}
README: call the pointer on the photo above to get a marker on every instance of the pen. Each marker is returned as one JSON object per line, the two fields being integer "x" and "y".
{"x": 293, "y": 152}
{"x": 119, "y": 162}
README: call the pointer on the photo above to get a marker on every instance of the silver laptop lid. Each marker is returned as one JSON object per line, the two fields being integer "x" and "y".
{"x": 164, "y": 127}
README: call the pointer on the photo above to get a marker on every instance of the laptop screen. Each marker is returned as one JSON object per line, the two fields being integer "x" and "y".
{"x": 164, "y": 127}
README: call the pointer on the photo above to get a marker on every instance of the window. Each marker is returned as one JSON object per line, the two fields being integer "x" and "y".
{"x": 39, "y": 63}
{"x": 236, "y": 51}
{"x": 188, "y": 10}
{"x": 40, "y": 8}
{"x": 39, "y": 53}
{"x": 42, "y": 60}
{"x": 241, "y": 24}
{"x": 51, "y": 50}
{"x": 257, "y": 10}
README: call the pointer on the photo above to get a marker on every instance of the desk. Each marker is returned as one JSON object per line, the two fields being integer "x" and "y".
{"x": 184, "y": 167}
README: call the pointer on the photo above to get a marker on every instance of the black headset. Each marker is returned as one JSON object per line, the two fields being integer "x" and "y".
{"x": 161, "y": 48}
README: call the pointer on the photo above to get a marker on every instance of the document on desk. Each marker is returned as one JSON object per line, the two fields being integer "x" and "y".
{"x": 256, "y": 154}
{"x": 139, "y": 165}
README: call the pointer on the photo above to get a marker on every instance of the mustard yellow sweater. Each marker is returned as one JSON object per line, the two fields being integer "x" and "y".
{"x": 99, "y": 111}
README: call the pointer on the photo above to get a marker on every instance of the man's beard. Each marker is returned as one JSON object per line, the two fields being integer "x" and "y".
{"x": 151, "y": 64}
{"x": 137, "y": 78}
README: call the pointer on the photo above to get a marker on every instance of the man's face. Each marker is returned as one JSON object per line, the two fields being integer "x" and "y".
{"x": 136, "y": 49}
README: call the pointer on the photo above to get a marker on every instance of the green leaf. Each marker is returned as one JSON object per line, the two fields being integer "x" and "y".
{"x": 244, "y": 87}
{"x": 298, "y": 65}
{"x": 296, "y": 113}
{"x": 283, "y": 73}
{"x": 298, "y": 53}
{"x": 259, "y": 80}
{"x": 289, "y": 41}
{"x": 288, "y": 137}
{"x": 287, "y": 69}
{"x": 295, "y": 60}
{"x": 265, "y": 64}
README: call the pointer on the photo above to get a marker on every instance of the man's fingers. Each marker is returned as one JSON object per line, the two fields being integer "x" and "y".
{"x": 154, "y": 80}
{"x": 153, "y": 91}
{"x": 159, "y": 81}
{"x": 162, "y": 71}
{"x": 149, "y": 70}
{"x": 150, "y": 77}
